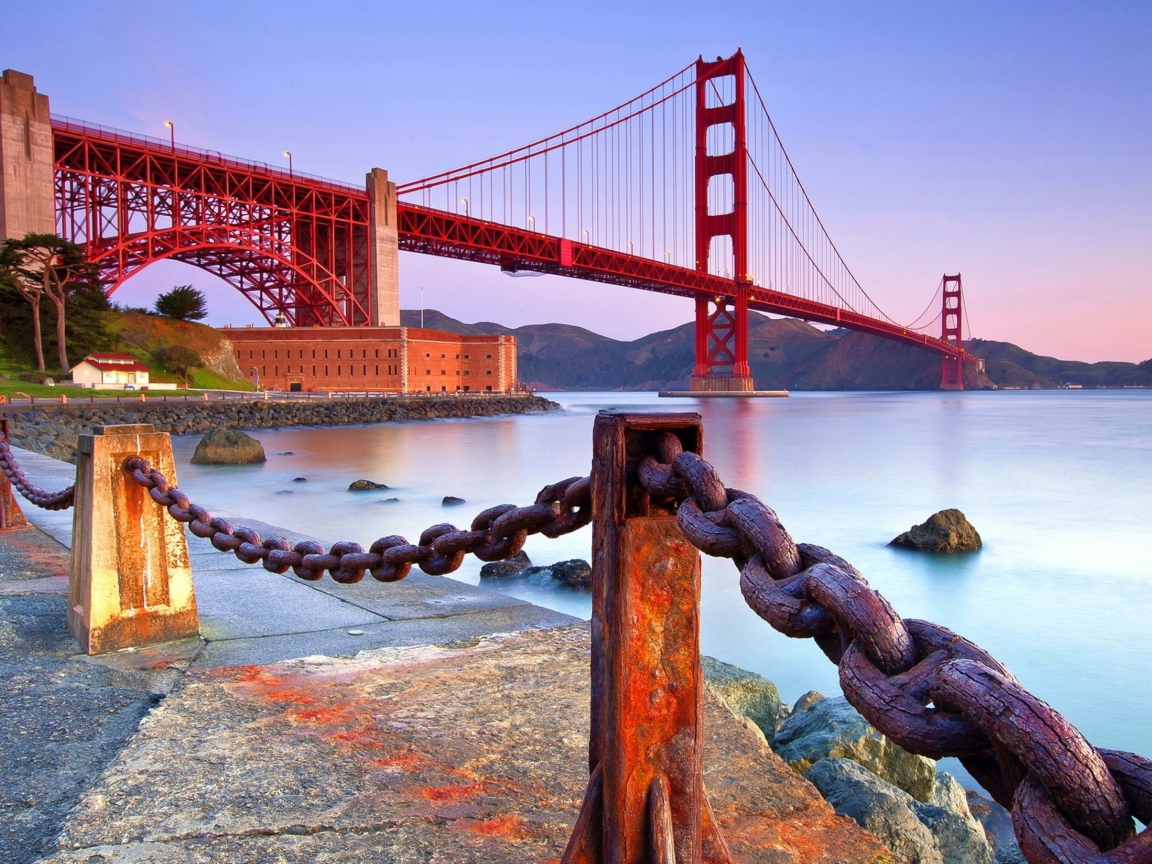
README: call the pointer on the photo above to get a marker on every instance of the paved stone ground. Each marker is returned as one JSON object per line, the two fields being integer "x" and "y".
{"x": 63, "y": 719}
{"x": 453, "y": 730}
{"x": 458, "y": 752}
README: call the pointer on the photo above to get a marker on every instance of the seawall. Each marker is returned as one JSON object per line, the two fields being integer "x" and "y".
{"x": 53, "y": 429}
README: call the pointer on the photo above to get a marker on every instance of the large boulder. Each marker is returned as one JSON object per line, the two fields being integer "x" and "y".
{"x": 745, "y": 693}
{"x": 946, "y": 531}
{"x": 877, "y": 807}
{"x": 917, "y": 832}
{"x": 228, "y": 447}
{"x": 832, "y": 728}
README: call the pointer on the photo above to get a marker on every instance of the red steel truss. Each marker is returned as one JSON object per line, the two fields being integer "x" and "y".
{"x": 294, "y": 245}
{"x": 449, "y": 235}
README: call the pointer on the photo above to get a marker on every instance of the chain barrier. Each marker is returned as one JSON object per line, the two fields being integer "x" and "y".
{"x": 496, "y": 534}
{"x": 61, "y": 500}
{"x": 929, "y": 690}
{"x": 926, "y": 688}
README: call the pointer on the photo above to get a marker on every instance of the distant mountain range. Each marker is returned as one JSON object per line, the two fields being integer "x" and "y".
{"x": 784, "y": 354}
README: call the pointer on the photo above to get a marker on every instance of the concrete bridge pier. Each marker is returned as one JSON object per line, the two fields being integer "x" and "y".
{"x": 27, "y": 198}
{"x": 384, "y": 248}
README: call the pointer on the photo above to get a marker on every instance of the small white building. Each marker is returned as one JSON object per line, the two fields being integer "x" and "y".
{"x": 110, "y": 372}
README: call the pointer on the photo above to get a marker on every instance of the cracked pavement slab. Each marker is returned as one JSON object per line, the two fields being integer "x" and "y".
{"x": 474, "y": 751}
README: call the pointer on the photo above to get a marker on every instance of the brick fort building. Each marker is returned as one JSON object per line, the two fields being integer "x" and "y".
{"x": 384, "y": 359}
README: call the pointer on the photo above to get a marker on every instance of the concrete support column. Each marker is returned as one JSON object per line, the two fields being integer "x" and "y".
{"x": 131, "y": 580}
{"x": 383, "y": 245}
{"x": 27, "y": 199}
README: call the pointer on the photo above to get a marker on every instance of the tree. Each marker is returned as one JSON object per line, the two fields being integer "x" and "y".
{"x": 184, "y": 303}
{"x": 44, "y": 265}
{"x": 86, "y": 309}
{"x": 179, "y": 360}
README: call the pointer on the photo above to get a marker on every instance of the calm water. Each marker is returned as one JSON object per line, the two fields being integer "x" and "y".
{"x": 1057, "y": 483}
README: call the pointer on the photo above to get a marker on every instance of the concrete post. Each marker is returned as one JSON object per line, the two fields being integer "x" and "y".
{"x": 10, "y": 513}
{"x": 27, "y": 200}
{"x": 384, "y": 248}
{"x": 131, "y": 581}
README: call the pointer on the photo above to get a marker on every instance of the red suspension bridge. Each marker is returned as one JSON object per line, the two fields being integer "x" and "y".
{"x": 686, "y": 189}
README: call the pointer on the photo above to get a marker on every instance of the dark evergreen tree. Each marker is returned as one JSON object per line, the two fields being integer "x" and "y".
{"x": 184, "y": 303}
{"x": 39, "y": 266}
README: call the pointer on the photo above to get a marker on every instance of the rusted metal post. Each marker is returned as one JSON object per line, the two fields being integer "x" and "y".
{"x": 645, "y": 802}
{"x": 131, "y": 581}
{"x": 10, "y": 513}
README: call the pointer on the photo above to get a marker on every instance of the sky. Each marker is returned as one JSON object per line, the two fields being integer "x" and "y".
{"x": 1010, "y": 142}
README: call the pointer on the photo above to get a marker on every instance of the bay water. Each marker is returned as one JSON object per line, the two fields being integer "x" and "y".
{"x": 1058, "y": 483}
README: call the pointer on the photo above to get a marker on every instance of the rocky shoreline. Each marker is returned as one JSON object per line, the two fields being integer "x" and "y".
{"x": 53, "y": 429}
{"x": 922, "y": 815}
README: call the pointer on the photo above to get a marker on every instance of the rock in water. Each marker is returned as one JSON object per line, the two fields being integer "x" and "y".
{"x": 946, "y": 531}
{"x": 507, "y": 569}
{"x": 575, "y": 573}
{"x": 833, "y": 728}
{"x": 452, "y": 501}
{"x": 745, "y": 693}
{"x": 365, "y": 486}
{"x": 228, "y": 447}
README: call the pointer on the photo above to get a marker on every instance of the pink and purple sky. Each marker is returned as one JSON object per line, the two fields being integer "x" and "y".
{"x": 1011, "y": 142}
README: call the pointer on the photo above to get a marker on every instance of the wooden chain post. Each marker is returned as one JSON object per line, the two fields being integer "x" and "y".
{"x": 645, "y": 802}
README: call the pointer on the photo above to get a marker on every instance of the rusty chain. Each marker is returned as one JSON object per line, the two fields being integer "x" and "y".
{"x": 496, "y": 534}
{"x": 61, "y": 500}
{"x": 929, "y": 690}
{"x": 926, "y": 688}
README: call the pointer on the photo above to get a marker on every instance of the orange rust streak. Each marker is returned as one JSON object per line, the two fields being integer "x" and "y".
{"x": 409, "y": 763}
{"x": 508, "y": 827}
{"x": 455, "y": 794}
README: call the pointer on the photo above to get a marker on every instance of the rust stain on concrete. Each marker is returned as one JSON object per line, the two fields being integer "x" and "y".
{"x": 475, "y": 754}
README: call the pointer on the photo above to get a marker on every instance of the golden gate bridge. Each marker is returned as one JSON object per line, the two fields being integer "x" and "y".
{"x": 686, "y": 189}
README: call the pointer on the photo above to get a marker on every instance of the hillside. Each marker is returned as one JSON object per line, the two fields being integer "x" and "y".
{"x": 145, "y": 335}
{"x": 783, "y": 353}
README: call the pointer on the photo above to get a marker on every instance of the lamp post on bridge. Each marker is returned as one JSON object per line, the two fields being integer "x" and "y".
{"x": 467, "y": 210}
{"x": 172, "y": 133}
{"x": 288, "y": 153}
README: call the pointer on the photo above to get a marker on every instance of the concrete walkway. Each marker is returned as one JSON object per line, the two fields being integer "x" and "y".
{"x": 248, "y": 615}
{"x": 454, "y": 729}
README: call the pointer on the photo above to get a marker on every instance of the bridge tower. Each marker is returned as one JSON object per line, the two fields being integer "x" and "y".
{"x": 952, "y": 369}
{"x": 27, "y": 181}
{"x": 722, "y": 321}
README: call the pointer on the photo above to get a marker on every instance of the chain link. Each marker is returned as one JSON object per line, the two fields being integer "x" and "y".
{"x": 931, "y": 691}
{"x": 495, "y": 534}
{"x": 61, "y": 500}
